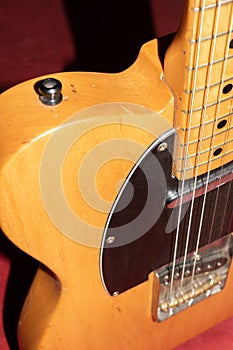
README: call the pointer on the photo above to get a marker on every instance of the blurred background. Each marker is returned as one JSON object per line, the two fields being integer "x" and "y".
{"x": 48, "y": 36}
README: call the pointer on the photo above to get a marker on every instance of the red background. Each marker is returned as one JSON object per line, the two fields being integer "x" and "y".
{"x": 46, "y": 36}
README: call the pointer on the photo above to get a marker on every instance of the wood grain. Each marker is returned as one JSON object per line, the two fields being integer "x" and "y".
{"x": 198, "y": 66}
{"x": 67, "y": 306}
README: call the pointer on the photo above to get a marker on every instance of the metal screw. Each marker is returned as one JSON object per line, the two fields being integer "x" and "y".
{"x": 110, "y": 239}
{"x": 166, "y": 278}
{"x": 162, "y": 146}
{"x": 115, "y": 294}
{"x": 198, "y": 269}
{"x": 196, "y": 256}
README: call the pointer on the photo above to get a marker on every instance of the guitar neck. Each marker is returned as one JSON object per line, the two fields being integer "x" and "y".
{"x": 199, "y": 71}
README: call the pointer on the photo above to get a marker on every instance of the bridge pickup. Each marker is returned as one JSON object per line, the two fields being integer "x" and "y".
{"x": 193, "y": 279}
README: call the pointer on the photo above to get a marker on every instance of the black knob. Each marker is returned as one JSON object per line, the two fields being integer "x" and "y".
{"x": 50, "y": 91}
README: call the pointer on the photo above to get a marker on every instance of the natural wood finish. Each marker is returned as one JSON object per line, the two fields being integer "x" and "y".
{"x": 67, "y": 306}
{"x": 189, "y": 86}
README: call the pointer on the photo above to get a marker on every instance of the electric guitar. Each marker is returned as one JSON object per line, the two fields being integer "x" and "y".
{"x": 121, "y": 186}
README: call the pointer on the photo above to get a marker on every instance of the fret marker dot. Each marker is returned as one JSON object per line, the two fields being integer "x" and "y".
{"x": 231, "y": 44}
{"x": 227, "y": 88}
{"x": 221, "y": 124}
{"x": 217, "y": 151}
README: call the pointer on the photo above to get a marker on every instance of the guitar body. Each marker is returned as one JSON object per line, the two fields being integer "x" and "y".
{"x": 68, "y": 306}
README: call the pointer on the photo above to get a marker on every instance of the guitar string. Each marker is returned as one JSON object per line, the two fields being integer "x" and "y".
{"x": 218, "y": 190}
{"x": 229, "y": 188}
{"x": 229, "y": 184}
{"x": 201, "y": 132}
{"x": 208, "y": 175}
{"x": 209, "y": 163}
{"x": 227, "y": 133}
{"x": 185, "y": 160}
{"x": 203, "y": 203}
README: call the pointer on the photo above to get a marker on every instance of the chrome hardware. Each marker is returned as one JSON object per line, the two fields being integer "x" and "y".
{"x": 194, "y": 279}
{"x": 110, "y": 239}
{"x": 50, "y": 91}
{"x": 162, "y": 146}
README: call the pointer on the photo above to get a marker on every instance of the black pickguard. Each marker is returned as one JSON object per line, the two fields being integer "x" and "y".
{"x": 140, "y": 231}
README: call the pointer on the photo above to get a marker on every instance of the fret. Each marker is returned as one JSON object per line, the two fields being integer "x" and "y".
{"x": 205, "y": 156}
{"x": 218, "y": 135}
{"x": 211, "y": 6}
{"x": 221, "y": 42}
{"x": 202, "y": 88}
{"x": 205, "y": 134}
{"x": 204, "y": 65}
{"x": 210, "y": 37}
{"x": 204, "y": 148}
{"x": 216, "y": 74}
{"x": 207, "y": 151}
{"x": 197, "y": 109}
{"x": 195, "y": 127}
{"x": 209, "y": 96}
{"x": 203, "y": 166}
{"x": 209, "y": 122}
{"x": 210, "y": 18}
{"x": 206, "y": 166}
{"x": 229, "y": 114}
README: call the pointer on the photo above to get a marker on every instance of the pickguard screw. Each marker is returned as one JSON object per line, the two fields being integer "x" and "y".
{"x": 115, "y": 294}
{"x": 162, "y": 146}
{"x": 110, "y": 239}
